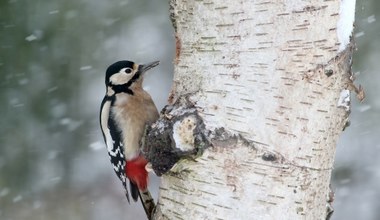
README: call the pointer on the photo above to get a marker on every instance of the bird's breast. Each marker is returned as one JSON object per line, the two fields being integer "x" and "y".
{"x": 131, "y": 116}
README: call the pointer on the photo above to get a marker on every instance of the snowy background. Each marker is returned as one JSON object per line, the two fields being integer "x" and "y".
{"x": 53, "y": 54}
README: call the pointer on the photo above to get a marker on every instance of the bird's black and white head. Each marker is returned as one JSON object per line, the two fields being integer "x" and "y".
{"x": 123, "y": 75}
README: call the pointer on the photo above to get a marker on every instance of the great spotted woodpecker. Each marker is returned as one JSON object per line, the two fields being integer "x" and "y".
{"x": 125, "y": 111}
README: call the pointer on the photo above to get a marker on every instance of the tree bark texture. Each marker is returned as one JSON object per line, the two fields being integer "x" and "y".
{"x": 260, "y": 96}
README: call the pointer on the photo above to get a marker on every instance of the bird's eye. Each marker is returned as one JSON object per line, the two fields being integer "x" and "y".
{"x": 128, "y": 70}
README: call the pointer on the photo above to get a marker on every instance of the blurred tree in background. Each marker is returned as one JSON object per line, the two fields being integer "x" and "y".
{"x": 53, "y": 55}
{"x": 53, "y": 164}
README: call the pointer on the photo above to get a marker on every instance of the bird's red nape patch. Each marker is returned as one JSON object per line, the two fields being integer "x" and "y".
{"x": 136, "y": 172}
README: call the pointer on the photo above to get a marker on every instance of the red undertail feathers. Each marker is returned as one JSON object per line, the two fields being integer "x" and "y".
{"x": 136, "y": 172}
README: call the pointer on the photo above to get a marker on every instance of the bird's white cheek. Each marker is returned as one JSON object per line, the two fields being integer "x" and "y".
{"x": 120, "y": 78}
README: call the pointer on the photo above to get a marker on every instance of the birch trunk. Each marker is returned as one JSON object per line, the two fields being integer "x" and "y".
{"x": 270, "y": 83}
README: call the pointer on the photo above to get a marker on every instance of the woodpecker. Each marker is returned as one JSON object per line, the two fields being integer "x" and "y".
{"x": 125, "y": 111}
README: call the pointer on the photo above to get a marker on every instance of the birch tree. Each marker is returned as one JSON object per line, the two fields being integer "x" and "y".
{"x": 260, "y": 96}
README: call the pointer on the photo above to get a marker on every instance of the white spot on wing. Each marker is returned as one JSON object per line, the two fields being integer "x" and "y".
{"x": 104, "y": 124}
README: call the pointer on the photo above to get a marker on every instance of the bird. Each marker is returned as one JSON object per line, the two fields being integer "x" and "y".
{"x": 125, "y": 112}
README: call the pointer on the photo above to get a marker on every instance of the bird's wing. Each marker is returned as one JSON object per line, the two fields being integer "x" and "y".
{"x": 112, "y": 137}
{"x": 116, "y": 153}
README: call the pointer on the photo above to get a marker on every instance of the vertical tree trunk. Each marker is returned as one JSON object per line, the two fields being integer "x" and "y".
{"x": 270, "y": 81}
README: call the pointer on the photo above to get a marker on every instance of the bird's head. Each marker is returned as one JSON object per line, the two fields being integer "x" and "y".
{"x": 123, "y": 75}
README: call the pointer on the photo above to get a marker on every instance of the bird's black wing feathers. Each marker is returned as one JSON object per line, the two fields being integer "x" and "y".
{"x": 117, "y": 153}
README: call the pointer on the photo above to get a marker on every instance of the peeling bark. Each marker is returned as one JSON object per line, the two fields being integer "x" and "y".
{"x": 256, "y": 110}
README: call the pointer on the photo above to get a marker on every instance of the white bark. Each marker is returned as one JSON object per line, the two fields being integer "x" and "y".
{"x": 270, "y": 73}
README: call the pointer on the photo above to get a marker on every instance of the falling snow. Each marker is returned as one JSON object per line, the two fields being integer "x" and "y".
{"x": 53, "y": 12}
{"x": 96, "y": 145}
{"x": 359, "y": 34}
{"x": 17, "y": 199}
{"x": 71, "y": 124}
{"x": 4, "y": 192}
{"x": 31, "y": 37}
{"x": 37, "y": 204}
{"x": 23, "y": 81}
{"x": 52, "y": 89}
{"x": 85, "y": 68}
{"x": 371, "y": 19}
{"x": 56, "y": 179}
{"x": 15, "y": 102}
{"x": 364, "y": 108}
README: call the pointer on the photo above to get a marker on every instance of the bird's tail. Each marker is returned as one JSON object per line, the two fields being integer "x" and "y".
{"x": 138, "y": 176}
{"x": 147, "y": 202}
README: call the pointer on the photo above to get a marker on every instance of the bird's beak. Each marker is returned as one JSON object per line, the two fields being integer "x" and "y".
{"x": 145, "y": 67}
